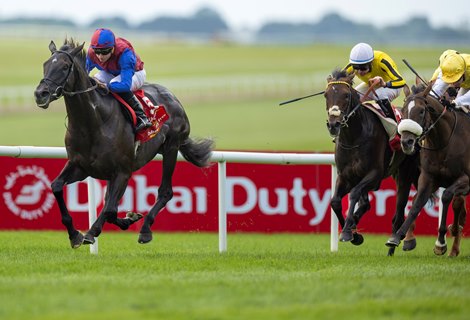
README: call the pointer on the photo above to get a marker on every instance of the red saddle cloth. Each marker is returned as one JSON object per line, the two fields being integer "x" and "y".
{"x": 157, "y": 115}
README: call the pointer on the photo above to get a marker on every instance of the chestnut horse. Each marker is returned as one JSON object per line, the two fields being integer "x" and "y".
{"x": 100, "y": 141}
{"x": 363, "y": 158}
{"x": 441, "y": 135}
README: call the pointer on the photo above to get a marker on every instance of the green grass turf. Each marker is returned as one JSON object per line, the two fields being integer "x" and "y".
{"x": 182, "y": 276}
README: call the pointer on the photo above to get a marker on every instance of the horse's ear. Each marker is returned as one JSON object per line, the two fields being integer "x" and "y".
{"x": 406, "y": 90}
{"x": 418, "y": 81}
{"x": 329, "y": 78}
{"x": 52, "y": 47}
{"x": 78, "y": 49}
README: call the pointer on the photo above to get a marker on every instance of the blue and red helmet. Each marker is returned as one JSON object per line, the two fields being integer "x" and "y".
{"x": 102, "y": 38}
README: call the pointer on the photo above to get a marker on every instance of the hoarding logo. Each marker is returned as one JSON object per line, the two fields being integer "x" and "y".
{"x": 26, "y": 192}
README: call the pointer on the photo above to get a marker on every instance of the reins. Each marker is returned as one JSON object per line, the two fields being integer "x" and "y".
{"x": 433, "y": 125}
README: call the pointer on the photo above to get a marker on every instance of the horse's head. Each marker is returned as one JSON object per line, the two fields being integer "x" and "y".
{"x": 58, "y": 73}
{"x": 414, "y": 118}
{"x": 340, "y": 99}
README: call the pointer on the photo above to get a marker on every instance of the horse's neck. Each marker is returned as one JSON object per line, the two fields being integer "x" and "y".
{"x": 81, "y": 111}
{"x": 353, "y": 131}
{"x": 443, "y": 126}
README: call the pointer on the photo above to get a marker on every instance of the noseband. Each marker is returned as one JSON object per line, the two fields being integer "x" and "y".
{"x": 59, "y": 91}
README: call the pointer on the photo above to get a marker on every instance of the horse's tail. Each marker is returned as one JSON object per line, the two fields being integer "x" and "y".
{"x": 197, "y": 151}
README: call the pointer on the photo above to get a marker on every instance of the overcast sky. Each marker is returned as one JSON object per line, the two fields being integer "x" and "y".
{"x": 248, "y": 13}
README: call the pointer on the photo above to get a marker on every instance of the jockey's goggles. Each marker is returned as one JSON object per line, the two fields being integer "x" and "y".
{"x": 361, "y": 67}
{"x": 102, "y": 51}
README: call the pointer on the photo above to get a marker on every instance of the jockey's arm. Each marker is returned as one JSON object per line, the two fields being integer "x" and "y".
{"x": 127, "y": 63}
{"x": 463, "y": 100}
{"x": 396, "y": 80}
{"x": 439, "y": 87}
{"x": 89, "y": 65}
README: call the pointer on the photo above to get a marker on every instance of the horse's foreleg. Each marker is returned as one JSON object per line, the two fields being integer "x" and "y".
{"x": 349, "y": 224}
{"x": 362, "y": 208}
{"x": 69, "y": 174}
{"x": 409, "y": 242}
{"x": 165, "y": 193}
{"x": 424, "y": 192}
{"x": 357, "y": 194}
{"x": 404, "y": 182}
{"x": 336, "y": 205}
{"x": 114, "y": 192}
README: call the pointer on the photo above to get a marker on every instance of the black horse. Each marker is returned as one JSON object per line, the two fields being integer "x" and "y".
{"x": 100, "y": 140}
{"x": 363, "y": 158}
{"x": 442, "y": 134}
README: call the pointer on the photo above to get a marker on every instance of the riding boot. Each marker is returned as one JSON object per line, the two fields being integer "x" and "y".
{"x": 386, "y": 108}
{"x": 142, "y": 120}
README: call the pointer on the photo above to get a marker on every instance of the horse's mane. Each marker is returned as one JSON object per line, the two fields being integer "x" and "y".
{"x": 341, "y": 74}
{"x": 70, "y": 44}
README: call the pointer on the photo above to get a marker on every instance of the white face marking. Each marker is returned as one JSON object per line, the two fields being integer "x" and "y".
{"x": 334, "y": 111}
{"x": 410, "y": 106}
{"x": 54, "y": 60}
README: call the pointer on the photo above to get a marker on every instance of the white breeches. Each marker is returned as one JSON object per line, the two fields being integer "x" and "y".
{"x": 382, "y": 93}
{"x": 138, "y": 78}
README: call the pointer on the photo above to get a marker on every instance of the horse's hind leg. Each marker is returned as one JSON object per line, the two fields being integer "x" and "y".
{"x": 114, "y": 192}
{"x": 455, "y": 190}
{"x": 165, "y": 193}
{"x": 455, "y": 229}
{"x": 69, "y": 174}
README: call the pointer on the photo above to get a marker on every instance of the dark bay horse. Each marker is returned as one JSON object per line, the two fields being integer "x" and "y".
{"x": 100, "y": 140}
{"x": 363, "y": 158}
{"x": 442, "y": 134}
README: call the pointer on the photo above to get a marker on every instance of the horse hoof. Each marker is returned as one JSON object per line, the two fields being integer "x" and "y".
{"x": 440, "y": 250}
{"x": 134, "y": 216}
{"x": 393, "y": 242}
{"x": 145, "y": 237}
{"x": 346, "y": 236}
{"x": 77, "y": 240}
{"x": 357, "y": 239}
{"x": 454, "y": 253}
{"x": 409, "y": 245}
{"x": 88, "y": 239}
{"x": 391, "y": 252}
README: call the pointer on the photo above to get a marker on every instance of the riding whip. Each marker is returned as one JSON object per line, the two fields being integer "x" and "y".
{"x": 301, "y": 98}
{"x": 416, "y": 73}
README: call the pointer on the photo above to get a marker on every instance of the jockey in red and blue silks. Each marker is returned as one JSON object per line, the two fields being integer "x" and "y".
{"x": 120, "y": 68}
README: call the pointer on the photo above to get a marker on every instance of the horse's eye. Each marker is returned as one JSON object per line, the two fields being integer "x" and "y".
{"x": 65, "y": 67}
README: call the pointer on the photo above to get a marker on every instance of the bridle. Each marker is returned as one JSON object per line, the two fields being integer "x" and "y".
{"x": 60, "y": 88}
{"x": 427, "y": 130}
{"x": 349, "y": 110}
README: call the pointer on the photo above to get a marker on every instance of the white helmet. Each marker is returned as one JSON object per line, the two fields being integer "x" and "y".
{"x": 361, "y": 53}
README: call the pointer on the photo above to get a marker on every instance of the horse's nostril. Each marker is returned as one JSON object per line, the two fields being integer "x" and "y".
{"x": 337, "y": 124}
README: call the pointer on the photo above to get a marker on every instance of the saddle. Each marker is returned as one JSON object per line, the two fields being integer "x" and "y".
{"x": 390, "y": 125}
{"x": 157, "y": 115}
